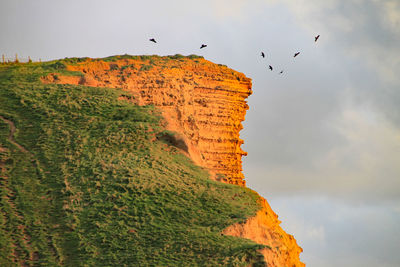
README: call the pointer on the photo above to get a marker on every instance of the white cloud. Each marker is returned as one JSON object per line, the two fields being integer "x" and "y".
{"x": 354, "y": 150}
{"x": 371, "y": 157}
{"x": 333, "y": 233}
{"x": 392, "y": 14}
{"x": 366, "y": 166}
{"x": 369, "y": 29}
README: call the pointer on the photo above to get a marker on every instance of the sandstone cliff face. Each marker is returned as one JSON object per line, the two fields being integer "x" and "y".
{"x": 264, "y": 228}
{"x": 205, "y": 103}
{"x": 202, "y": 101}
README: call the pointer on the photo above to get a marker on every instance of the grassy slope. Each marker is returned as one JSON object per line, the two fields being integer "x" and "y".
{"x": 98, "y": 189}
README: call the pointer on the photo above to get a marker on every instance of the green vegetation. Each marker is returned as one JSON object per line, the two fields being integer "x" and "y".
{"x": 194, "y": 56}
{"x": 143, "y": 57}
{"x": 145, "y": 67}
{"x": 177, "y": 56}
{"x": 130, "y": 66}
{"x": 97, "y": 185}
{"x": 73, "y": 60}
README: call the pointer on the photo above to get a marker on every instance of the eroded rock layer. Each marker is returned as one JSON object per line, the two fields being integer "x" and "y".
{"x": 264, "y": 228}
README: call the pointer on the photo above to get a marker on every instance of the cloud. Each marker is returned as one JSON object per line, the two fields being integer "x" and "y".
{"x": 334, "y": 129}
{"x": 367, "y": 31}
{"x": 365, "y": 165}
{"x": 392, "y": 14}
{"x": 333, "y": 233}
{"x": 370, "y": 159}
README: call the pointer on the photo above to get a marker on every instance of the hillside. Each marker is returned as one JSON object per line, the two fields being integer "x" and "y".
{"x": 118, "y": 161}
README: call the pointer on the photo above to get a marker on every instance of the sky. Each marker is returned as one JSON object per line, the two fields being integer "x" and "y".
{"x": 323, "y": 138}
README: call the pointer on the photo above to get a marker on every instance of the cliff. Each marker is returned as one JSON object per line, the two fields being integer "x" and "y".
{"x": 205, "y": 104}
{"x": 202, "y": 101}
{"x": 90, "y": 178}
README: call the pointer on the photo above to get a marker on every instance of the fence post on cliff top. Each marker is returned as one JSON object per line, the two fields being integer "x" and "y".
{"x": 16, "y": 58}
{"x": 3, "y": 58}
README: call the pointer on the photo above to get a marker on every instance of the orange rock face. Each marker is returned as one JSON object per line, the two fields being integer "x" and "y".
{"x": 205, "y": 103}
{"x": 264, "y": 228}
{"x": 202, "y": 101}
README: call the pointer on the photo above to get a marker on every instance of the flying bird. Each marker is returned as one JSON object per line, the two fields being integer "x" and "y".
{"x": 270, "y": 67}
{"x": 296, "y": 54}
{"x": 202, "y": 46}
{"x": 316, "y": 38}
{"x": 262, "y": 54}
{"x": 153, "y": 40}
{"x": 281, "y": 72}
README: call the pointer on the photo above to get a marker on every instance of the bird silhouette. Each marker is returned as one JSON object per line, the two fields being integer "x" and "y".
{"x": 281, "y": 72}
{"x": 262, "y": 54}
{"x": 270, "y": 67}
{"x": 296, "y": 54}
{"x": 153, "y": 40}
{"x": 316, "y": 38}
{"x": 202, "y": 46}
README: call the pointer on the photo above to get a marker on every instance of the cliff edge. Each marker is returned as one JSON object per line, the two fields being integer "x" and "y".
{"x": 205, "y": 104}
